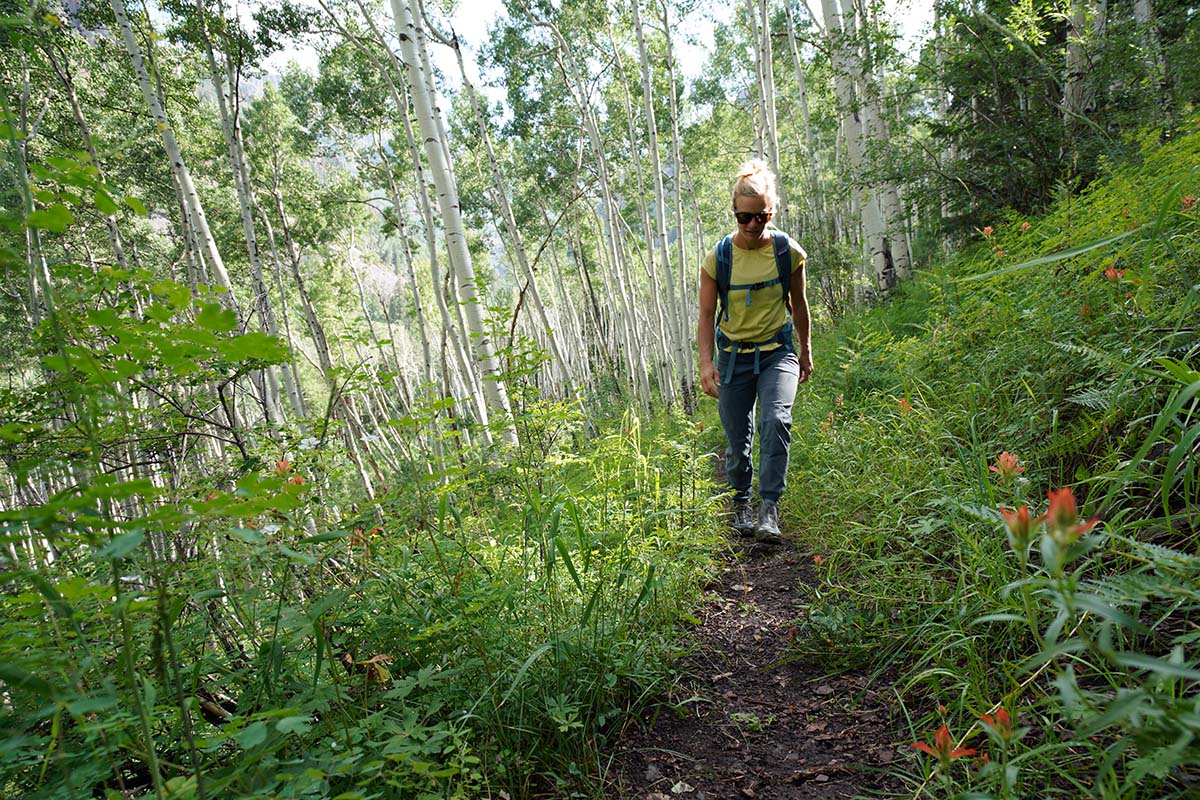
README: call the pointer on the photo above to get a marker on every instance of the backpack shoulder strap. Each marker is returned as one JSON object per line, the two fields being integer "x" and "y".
{"x": 783, "y": 263}
{"x": 724, "y": 255}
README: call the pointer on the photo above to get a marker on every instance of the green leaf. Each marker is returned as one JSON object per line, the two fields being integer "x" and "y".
{"x": 103, "y": 317}
{"x": 216, "y": 317}
{"x": 136, "y": 205}
{"x": 54, "y": 218}
{"x": 104, "y": 202}
{"x": 253, "y": 735}
{"x": 566, "y": 557}
{"x": 254, "y": 345}
{"x": 293, "y": 725}
{"x": 1143, "y": 661}
{"x": 121, "y": 546}
{"x": 1053, "y": 257}
{"x": 13, "y": 675}
{"x": 328, "y": 536}
{"x": 249, "y": 535}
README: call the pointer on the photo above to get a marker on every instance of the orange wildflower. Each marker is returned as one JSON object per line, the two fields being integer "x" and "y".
{"x": 1001, "y": 723}
{"x": 905, "y": 406}
{"x": 943, "y": 747}
{"x": 1020, "y": 527}
{"x": 1006, "y": 467}
{"x": 282, "y": 466}
{"x": 988, "y": 231}
{"x": 1025, "y": 226}
{"x": 1062, "y": 517}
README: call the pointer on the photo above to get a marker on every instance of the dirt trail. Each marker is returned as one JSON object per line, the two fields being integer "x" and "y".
{"x": 740, "y": 724}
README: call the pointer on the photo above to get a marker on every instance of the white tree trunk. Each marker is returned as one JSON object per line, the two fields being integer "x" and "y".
{"x": 456, "y": 240}
{"x": 872, "y": 218}
{"x": 679, "y": 341}
{"x": 199, "y": 221}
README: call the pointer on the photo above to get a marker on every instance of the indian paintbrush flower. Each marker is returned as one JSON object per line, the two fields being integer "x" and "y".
{"x": 1006, "y": 467}
{"x": 943, "y": 747}
{"x": 1001, "y": 723}
{"x": 1062, "y": 517}
{"x": 1025, "y": 226}
{"x": 1020, "y": 527}
{"x": 988, "y": 231}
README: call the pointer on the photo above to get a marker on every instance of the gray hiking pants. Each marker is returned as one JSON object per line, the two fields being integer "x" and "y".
{"x": 773, "y": 390}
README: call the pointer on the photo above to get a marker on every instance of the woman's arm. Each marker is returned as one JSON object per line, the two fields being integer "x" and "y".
{"x": 802, "y": 322}
{"x": 710, "y": 381}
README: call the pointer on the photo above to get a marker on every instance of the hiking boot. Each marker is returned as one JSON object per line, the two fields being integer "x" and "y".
{"x": 743, "y": 518}
{"x": 767, "y": 530}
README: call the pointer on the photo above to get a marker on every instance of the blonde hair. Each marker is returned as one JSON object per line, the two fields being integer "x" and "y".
{"x": 755, "y": 179}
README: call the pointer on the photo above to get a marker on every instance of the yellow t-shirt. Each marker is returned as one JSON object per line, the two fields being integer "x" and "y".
{"x": 766, "y": 313}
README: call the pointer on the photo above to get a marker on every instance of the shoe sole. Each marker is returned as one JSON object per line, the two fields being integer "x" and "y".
{"x": 767, "y": 537}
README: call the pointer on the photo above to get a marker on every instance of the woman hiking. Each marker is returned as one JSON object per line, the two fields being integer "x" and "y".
{"x": 754, "y": 316}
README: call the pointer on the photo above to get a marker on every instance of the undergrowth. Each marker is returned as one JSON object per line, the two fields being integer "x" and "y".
{"x": 1054, "y": 657}
{"x": 488, "y": 634}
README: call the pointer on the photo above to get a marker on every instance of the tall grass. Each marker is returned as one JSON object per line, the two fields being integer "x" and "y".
{"x": 1071, "y": 342}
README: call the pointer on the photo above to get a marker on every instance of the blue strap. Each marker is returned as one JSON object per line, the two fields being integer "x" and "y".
{"x": 782, "y": 337}
{"x": 783, "y": 265}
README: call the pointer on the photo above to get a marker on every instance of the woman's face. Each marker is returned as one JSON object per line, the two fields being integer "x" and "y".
{"x": 755, "y": 210}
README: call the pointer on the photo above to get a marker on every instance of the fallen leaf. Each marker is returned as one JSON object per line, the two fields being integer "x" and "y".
{"x": 682, "y": 788}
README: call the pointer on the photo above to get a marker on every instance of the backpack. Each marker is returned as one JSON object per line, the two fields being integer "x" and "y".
{"x": 783, "y": 264}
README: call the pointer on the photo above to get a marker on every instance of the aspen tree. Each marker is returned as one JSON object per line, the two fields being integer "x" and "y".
{"x": 456, "y": 242}
{"x": 816, "y": 203}
{"x": 676, "y": 316}
{"x": 512, "y": 229}
{"x": 239, "y": 168}
{"x": 191, "y": 198}
{"x": 665, "y": 329}
{"x": 864, "y": 200}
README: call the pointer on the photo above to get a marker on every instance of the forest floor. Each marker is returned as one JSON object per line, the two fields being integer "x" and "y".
{"x": 744, "y": 720}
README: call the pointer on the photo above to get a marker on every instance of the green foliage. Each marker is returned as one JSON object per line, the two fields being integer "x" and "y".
{"x": 1069, "y": 341}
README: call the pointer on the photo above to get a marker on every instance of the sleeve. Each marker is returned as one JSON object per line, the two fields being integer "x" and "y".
{"x": 799, "y": 257}
{"x": 710, "y": 264}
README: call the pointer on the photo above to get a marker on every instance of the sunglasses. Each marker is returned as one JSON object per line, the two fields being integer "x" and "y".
{"x": 744, "y": 217}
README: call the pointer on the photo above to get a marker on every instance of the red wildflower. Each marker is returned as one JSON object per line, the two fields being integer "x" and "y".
{"x": 998, "y": 253}
{"x": 1006, "y": 467}
{"x": 282, "y": 466}
{"x": 1113, "y": 275}
{"x": 943, "y": 747}
{"x": 1020, "y": 527}
{"x": 905, "y": 406}
{"x": 1025, "y": 226}
{"x": 1062, "y": 517}
{"x": 818, "y": 560}
{"x": 988, "y": 231}
{"x": 1189, "y": 202}
{"x": 1085, "y": 310}
{"x": 296, "y": 480}
{"x": 1001, "y": 723}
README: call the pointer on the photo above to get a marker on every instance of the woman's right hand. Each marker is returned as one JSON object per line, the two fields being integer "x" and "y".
{"x": 710, "y": 379}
